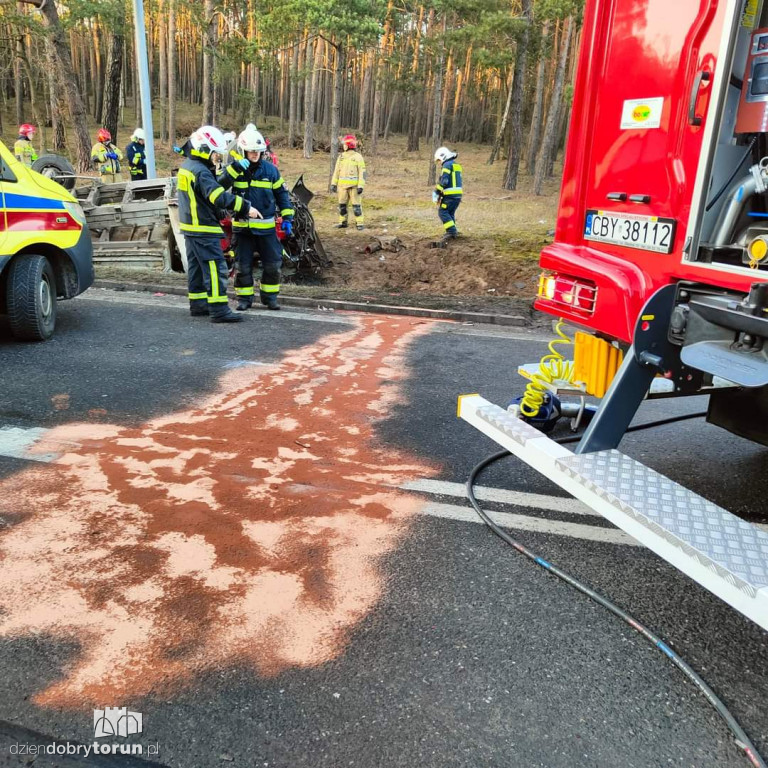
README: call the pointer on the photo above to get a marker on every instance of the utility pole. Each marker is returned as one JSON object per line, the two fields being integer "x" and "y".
{"x": 146, "y": 96}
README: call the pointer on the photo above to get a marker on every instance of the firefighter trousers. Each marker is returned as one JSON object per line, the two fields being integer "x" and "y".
{"x": 446, "y": 210}
{"x": 349, "y": 195}
{"x": 267, "y": 248}
{"x": 207, "y": 276}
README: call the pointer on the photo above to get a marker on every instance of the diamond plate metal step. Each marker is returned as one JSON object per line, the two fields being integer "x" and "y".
{"x": 722, "y": 552}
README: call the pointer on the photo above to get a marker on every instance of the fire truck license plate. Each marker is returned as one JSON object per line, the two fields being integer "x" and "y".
{"x": 649, "y": 233}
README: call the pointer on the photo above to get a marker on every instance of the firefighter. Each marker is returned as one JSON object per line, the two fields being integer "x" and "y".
{"x": 349, "y": 181}
{"x": 137, "y": 158}
{"x": 202, "y": 203}
{"x": 261, "y": 184}
{"x": 23, "y": 149}
{"x": 106, "y": 157}
{"x": 270, "y": 155}
{"x": 448, "y": 191}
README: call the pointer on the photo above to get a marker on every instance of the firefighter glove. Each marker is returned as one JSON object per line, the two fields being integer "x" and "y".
{"x": 244, "y": 163}
{"x": 112, "y": 155}
{"x": 359, "y": 191}
{"x": 334, "y": 188}
{"x": 288, "y": 228}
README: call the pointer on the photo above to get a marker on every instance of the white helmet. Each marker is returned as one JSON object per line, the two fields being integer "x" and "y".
{"x": 207, "y": 139}
{"x": 443, "y": 153}
{"x": 250, "y": 140}
{"x": 139, "y": 135}
{"x": 230, "y": 137}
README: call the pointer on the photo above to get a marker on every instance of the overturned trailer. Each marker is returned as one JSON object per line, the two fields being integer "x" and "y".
{"x": 135, "y": 224}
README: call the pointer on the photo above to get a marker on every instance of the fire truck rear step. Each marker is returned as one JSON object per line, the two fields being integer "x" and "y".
{"x": 726, "y": 555}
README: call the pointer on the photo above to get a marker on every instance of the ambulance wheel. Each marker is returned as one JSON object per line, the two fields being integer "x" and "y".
{"x": 54, "y": 167}
{"x": 31, "y": 298}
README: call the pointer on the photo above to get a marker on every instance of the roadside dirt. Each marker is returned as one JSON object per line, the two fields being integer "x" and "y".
{"x": 466, "y": 267}
{"x": 469, "y": 275}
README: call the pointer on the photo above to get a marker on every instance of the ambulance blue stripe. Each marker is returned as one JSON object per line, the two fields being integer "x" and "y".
{"x": 31, "y": 202}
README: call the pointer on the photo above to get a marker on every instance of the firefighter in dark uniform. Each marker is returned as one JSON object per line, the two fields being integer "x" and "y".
{"x": 448, "y": 191}
{"x": 137, "y": 155}
{"x": 202, "y": 202}
{"x": 262, "y": 185}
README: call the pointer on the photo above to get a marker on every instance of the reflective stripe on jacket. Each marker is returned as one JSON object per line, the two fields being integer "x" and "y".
{"x": 350, "y": 170}
{"x": 202, "y": 200}
{"x": 103, "y": 163}
{"x": 264, "y": 188}
{"x": 24, "y": 151}
{"x": 450, "y": 182}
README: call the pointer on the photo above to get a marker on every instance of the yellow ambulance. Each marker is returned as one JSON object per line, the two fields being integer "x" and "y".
{"x": 45, "y": 248}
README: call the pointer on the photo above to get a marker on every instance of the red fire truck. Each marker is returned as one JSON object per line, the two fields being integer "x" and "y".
{"x": 660, "y": 257}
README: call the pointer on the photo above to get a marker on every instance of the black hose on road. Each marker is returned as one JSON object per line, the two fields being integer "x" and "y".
{"x": 742, "y": 740}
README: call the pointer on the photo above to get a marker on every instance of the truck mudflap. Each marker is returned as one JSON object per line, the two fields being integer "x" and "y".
{"x": 723, "y": 553}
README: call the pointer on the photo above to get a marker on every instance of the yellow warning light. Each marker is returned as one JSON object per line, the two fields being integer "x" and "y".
{"x": 547, "y": 286}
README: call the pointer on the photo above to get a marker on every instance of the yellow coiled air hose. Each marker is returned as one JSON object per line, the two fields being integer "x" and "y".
{"x": 552, "y": 366}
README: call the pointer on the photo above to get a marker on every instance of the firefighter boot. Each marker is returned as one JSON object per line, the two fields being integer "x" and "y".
{"x": 223, "y": 314}
{"x": 243, "y": 304}
{"x": 198, "y": 308}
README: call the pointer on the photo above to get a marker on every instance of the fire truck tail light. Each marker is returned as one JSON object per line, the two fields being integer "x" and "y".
{"x": 568, "y": 292}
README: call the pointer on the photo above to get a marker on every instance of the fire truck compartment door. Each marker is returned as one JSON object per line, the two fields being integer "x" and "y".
{"x": 653, "y": 97}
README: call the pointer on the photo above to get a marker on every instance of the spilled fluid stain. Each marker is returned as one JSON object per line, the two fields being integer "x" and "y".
{"x": 247, "y": 530}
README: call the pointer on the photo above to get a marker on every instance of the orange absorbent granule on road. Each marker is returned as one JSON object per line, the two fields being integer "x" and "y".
{"x": 246, "y": 531}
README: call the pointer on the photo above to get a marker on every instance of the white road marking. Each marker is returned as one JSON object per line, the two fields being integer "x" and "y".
{"x": 517, "y": 498}
{"x": 19, "y": 442}
{"x": 536, "y": 524}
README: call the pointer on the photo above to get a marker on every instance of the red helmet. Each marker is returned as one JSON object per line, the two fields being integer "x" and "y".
{"x": 25, "y": 129}
{"x": 103, "y": 135}
{"x": 349, "y": 141}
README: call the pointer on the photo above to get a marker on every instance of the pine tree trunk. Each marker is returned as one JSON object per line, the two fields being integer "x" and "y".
{"x": 293, "y": 105}
{"x": 18, "y": 82}
{"x": 516, "y": 107}
{"x": 36, "y": 116}
{"x": 414, "y": 98}
{"x": 553, "y": 122}
{"x": 84, "y": 89}
{"x": 363, "y": 106}
{"x": 209, "y": 42}
{"x": 310, "y": 98}
{"x": 162, "y": 71}
{"x": 502, "y": 128}
{"x": 57, "y": 122}
{"x": 437, "y": 122}
{"x": 390, "y": 112}
{"x": 98, "y": 74}
{"x": 111, "y": 114}
{"x": 171, "y": 72}
{"x": 534, "y": 135}
{"x": 68, "y": 84}
{"x": 379, "y": 84}
{"x": 338, "y": 72}
{"x": 378, "y": 87}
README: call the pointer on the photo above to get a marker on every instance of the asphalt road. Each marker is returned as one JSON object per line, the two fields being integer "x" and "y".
{"x": 427, "y": 643}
